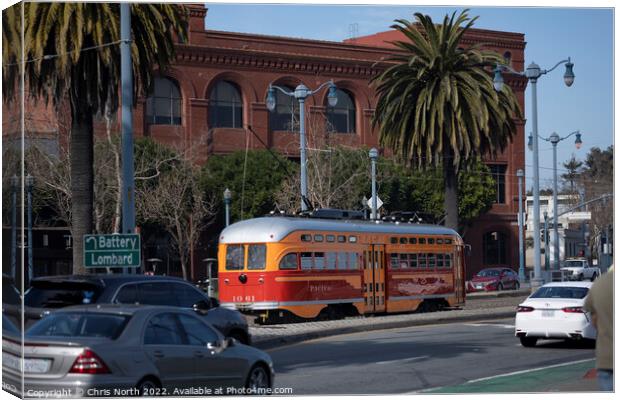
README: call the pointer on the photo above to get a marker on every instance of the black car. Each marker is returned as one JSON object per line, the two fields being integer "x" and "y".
{"x": 52, "y": 292}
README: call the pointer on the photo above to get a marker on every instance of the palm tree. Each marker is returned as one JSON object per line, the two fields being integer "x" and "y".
{"x": 436, "y": 103}
{"x": 572, "y": 171}
{"x": 73, "y": 55}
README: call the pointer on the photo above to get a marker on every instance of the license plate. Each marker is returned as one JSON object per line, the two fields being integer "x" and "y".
{"x": 548, "y": 313}
{"x": 31, "y": 365}
{"x": 479, "y": 286}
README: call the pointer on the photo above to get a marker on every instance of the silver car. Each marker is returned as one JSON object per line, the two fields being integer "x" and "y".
{"x": 121, "y": 350}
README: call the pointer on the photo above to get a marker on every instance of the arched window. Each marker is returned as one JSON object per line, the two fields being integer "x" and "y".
{"x": 163, "y": 106}
{"x": 494, "y": 251}
{"x": 507, "y": 57}
{"x": 225, "y": 106}
{"x": 285, "y": 117}
{"x": 341, "y": 118}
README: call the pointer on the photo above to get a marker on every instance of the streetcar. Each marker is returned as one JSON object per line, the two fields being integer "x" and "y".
{"x": 282, "y": 268}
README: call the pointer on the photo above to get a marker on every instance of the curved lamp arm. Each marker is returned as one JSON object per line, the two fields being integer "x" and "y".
{"x": 544, "y": 71}
{"x": 281, "y": 89}
{"x": 329, "y": 82}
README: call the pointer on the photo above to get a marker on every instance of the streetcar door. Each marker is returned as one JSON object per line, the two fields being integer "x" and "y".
{"x": 379, "y": 277}
{"x": 369, "y": 282}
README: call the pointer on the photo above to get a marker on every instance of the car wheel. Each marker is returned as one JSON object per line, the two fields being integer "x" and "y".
{"x": 517, "y": 285}
{"x": 258, "y": 378}
{"x": 528, "y": 341}
{"x": 500, "y": 287}
{"x": 148, "y": 387}
{"x": 594, "y": 276}
{"x": 580, "y": 277}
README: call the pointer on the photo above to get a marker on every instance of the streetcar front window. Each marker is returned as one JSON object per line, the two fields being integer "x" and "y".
{"x": 257, "y": 254}
{"x": 289, "y": 261}
{"x": 235, "y": 257}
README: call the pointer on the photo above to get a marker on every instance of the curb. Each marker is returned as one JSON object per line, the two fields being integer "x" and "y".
{"x": 489, "y": 295}
{"x": 302, "y": 337}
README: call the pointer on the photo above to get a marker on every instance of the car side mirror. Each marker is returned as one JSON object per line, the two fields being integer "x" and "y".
{"x": 201, "y": 307}
{"x": 230, "y": 341}
{"x": 214, "y": 302}
{"x": 216, "y": 346}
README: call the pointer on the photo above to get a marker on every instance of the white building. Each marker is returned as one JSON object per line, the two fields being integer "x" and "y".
{"x": 572, "y": 227}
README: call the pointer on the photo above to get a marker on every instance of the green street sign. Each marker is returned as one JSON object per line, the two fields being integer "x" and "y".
{"x": 112, "y": 251}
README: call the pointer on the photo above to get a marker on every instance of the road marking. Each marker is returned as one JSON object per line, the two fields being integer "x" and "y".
{"x": 496, "y": 325}
{"x": 401, "y": 359}
{"x": 529, "y": 370}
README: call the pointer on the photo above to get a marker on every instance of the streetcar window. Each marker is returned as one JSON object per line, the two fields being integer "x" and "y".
{"x": 331, "y": 260}
{"x": 318, "y": 238}
{"x": 353, "y": 239}
{"x": 421, "y": 260}
{"x": 306, "y": 238}
{"x": 448, "y": 260}
{"x": 394, "y": 260}
{"x": 289, "y": 261}
{"x": 404, "y": 260}
{"x": 439, "y": 241}
{"x": 235, "y": 257}
{"x": 422, "y": 241}
{"x": 430, "y": 260}
{"x": 319, "y": 260}
{"x": 330, "y": 238}
{"x": 306, "y": 260}
{"x": 439, "y": 260}
{"x": 353, "y": 261}
{"x": 431, "y": 241}
{"x": 342, "y": 238}
{"x": 393, "y": 240}
{"x": 403, "y": 240}
{"x": 342, "y": 260}
{"x": 448, "y": 241}
{"x": 413, "y": 260}
{"x": 412, "y": 241}
{"x": 257, "y": 253}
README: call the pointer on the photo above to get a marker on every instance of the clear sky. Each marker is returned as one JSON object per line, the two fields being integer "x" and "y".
{"x": 551, "y": 33}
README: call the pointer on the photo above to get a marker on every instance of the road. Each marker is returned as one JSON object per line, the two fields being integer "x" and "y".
{"x": 407, "y": 360}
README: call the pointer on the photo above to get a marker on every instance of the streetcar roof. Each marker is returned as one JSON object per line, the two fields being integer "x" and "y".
{"x": 274, "y": 229}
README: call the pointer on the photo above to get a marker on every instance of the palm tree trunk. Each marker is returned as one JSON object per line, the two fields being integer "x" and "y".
{"x": 451, "y": 206}
{"x": 81, "y": 162}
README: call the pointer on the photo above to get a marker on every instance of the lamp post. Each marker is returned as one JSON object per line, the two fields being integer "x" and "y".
{"x": 555, "y": 139}
{"x": 520, "y": 175}
{"x": 227, "y": 199}
{"x": 14, "y": 187}
{"x": 374, "y": 154}
{"x": 532, "y": 73}
{"x": 29, "y": 185}
{"x": 301, "y": 92}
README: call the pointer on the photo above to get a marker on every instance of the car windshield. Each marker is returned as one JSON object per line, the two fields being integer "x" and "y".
{"x": 573, "y": 263}
{"x": 80, "y": 324}
{"x": 47, "y": 294}
{"x": 8, "y": 327}
{"x": 560, "y": 292}
{"x": 488, "y": 272}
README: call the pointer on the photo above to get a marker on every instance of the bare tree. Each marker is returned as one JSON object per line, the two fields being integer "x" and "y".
{"x": 178, "y": 203}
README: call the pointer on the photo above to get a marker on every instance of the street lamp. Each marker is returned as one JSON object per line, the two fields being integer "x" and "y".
{"x": 555, "y": 139}
{"x": 14, "y": 187}
{"x": 227, "y": 199}
{"x": 520, "y": 175}
{"x": 532, "y": 73}
{"x": 374, "y": 155}
{"x": 29, "y": 185}
{"x": 301, "y": 92}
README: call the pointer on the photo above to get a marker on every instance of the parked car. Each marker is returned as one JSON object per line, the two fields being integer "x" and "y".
{"x": 578, "y": 269}
{"x": 555, "y": 311}
{"x": 113, "y": 349}
{"x": 490, "y": 279}
{"x": 47, "y": 294}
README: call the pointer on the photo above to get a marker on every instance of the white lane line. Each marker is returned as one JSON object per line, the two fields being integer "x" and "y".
{"x": 530, "y": 370}
{"x": 495, "y": 325}
{"x": 401, "y": 360}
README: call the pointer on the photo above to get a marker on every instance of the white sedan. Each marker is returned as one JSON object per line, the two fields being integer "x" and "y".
{"x": 555, "y": 311}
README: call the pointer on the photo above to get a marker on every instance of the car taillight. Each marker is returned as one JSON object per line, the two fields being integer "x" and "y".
{"x": 89, "y": 363}
{"x": 525, "y": 309}
{"x": 573, "y": 309}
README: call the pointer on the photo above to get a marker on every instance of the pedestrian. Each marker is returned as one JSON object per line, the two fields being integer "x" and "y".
{"x": 600, "y": 303}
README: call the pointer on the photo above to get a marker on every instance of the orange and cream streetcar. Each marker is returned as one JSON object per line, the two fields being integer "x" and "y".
{"x": 287, "y": 268}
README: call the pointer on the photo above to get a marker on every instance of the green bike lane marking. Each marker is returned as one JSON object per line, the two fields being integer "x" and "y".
{"x": 531, "y": 380}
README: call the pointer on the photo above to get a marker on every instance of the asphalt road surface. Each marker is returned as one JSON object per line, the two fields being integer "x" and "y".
{"x": 407, "y": 360}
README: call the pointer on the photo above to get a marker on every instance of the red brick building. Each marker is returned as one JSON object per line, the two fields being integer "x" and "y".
{"x": 214, "y": 95}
